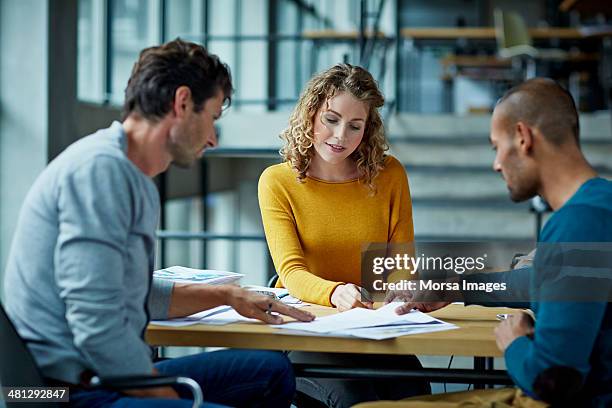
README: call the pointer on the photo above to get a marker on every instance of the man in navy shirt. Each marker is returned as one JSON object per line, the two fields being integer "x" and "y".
{"x": 535, "y": 133}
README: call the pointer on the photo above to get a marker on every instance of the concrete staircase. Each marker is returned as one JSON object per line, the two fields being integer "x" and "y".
{"x": 456, "y": 194}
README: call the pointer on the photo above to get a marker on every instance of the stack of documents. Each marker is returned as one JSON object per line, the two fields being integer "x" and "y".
{"x": 189, "y": 275}
{"x": 379, "y": 324}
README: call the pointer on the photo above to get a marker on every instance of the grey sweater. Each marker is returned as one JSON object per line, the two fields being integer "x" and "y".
{"x": 80, "y": 266}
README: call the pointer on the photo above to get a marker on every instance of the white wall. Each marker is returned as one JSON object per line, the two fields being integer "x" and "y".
{"x": 23, "y": 107}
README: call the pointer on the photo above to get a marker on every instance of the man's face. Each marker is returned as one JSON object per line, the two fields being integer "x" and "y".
{"x": 195, "y": 133}
{"x": 511, "y": 161}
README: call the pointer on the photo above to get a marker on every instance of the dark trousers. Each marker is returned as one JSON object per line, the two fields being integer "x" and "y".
{"x": 237, "y": 378}
{"x": 341, "y": 393}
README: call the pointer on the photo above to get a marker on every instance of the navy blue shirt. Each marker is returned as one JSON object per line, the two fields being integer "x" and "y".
{"x": 575, "y": 334}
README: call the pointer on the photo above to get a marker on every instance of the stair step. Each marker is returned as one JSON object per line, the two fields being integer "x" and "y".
{"x": 454, "y": 202}
{"x": 411, "y": 154}
{"x": 494, "y": 223}
{"x": 595, "y": 125}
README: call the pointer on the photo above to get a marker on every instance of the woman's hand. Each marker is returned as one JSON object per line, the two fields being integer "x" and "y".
{"x": 349, "y": 296}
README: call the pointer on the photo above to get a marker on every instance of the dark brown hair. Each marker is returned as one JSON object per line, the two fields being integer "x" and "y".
{"x": 160, "y": 70}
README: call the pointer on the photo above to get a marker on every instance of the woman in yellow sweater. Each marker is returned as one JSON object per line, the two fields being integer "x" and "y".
{"x": 335, "y": 191}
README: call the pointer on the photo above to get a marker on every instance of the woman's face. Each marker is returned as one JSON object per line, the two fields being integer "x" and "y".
{"x": 339, "y": 125}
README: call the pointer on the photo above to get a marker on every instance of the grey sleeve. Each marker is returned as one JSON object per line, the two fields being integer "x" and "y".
{"x": 95, "y": 211}
{"x": 159, "y": 298}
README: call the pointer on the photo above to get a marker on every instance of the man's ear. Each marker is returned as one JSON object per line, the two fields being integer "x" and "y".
{"x": 524, "y": 137}
{"x": 182, "y": 101}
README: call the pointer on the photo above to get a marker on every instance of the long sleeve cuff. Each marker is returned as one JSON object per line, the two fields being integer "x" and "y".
{"x": 159, "y": 298}
{"x": 330, "y": 292}
{"x": 515, "y": 356}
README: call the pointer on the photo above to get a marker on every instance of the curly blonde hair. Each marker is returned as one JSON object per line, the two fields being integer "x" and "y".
{"x": 299, "y": 135}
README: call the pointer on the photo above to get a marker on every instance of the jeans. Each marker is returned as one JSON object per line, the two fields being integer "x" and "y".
{"x": 238, "y": 378}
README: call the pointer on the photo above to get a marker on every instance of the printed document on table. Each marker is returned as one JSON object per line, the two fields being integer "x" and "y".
{"x": 363, "y": 318}
{"x": 390, "y": 332}
{"x": 190, "y": 275}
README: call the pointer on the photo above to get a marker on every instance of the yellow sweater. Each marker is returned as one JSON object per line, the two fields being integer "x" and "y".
{"x": 315, "y": 230}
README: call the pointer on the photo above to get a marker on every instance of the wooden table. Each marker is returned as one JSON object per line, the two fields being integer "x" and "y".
{"x": 473, "y": 338}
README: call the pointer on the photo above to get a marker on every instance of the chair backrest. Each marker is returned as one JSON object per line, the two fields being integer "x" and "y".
{"x": 511, "y": 30}
{"x": 17, "y": 366}
{"x": 272, "y": 281}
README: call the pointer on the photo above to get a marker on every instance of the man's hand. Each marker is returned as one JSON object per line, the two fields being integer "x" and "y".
{"x": 256, "y": 306}
{"x": 349, "y": 296}
{"x": 515, "y": 326}
{"x": 398, "y": 296}
{"x": 158, "y": 392}
{"x": 424, "y": 307}
{"x": 422, "y": 300}
{"x": 525, "y": 260}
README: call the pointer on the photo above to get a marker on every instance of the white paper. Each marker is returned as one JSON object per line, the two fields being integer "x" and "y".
{"x": 295, "y": 302}
{"x": 360, "y": 317}
{"x": 378, "y": 324}
{"x": 390, "y": 332}
{"x": 192, "y": 319}
{"x": 217, "y": 316}
{"x": 374, "y": 333}
{"x": 207, "y": 276}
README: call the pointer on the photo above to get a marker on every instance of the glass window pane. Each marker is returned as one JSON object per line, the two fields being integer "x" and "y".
{"x": 90, "y": 50}
{"x": 288, "y": 70}
{"x": 135, "y": 25}
{"x": 185, "y": 19}
{"x": 254, "y": 17}
{"x": 222, "y": 17}
{"x": 287, "y": 17}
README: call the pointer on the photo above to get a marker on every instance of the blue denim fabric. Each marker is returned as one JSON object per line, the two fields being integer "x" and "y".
{"x": 238, "y": 378}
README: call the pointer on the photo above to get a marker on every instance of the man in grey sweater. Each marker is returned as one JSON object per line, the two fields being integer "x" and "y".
{"x": 78, "y": 283}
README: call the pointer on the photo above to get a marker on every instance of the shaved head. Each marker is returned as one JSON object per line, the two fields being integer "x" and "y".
{"x": 543, "y": 104}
